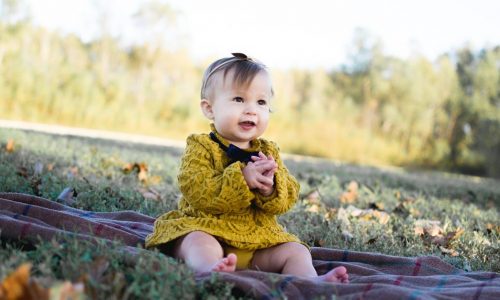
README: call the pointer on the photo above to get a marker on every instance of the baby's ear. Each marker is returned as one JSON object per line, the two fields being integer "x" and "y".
{"x": 206, "y": 108}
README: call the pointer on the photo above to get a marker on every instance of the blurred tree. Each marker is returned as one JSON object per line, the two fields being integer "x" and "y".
{"x": 374, "y": 109}
{"x": 485, "y": 129}
{"x": 14, "y": 11}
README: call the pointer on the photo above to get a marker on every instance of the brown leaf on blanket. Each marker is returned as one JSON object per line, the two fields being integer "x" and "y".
{"x": 10, "y": 146}
{"x": 18, "y": 285}
{"x": 351, "y": 194}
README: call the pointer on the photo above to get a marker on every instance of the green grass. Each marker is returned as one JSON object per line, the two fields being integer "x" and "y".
{"x": 44, "y": 165}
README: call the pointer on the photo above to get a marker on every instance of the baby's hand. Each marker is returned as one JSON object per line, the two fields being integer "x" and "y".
{"x": 262, "y": 158}
{"x": 269, "y": 168}
{"x": 254, "y": 178}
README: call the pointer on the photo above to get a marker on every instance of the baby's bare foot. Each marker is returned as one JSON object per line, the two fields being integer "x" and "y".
{"x": 339, "y": 274}
{"x": 226, "y": 264}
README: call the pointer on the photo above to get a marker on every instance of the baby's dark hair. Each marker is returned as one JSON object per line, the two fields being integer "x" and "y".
{"x": 244, "y": 68}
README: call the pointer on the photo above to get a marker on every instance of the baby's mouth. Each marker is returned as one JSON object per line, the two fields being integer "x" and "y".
{"x": 247, "y": 124}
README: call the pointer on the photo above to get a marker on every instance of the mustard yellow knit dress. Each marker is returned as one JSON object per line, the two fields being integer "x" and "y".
{"x": 216, "y": 199}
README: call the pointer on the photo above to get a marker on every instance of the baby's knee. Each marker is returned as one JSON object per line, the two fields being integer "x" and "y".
{"x": 200, "y": 238}
{"x": 296, "y": 250}
{"x": 195, "y": 240}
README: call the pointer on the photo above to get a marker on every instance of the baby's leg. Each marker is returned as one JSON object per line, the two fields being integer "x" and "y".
{"x": 203, "y": 253}
{"x": 294, "y": 259}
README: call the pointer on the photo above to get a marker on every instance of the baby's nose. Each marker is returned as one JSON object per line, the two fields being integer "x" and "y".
{"x": 250, "y": 108}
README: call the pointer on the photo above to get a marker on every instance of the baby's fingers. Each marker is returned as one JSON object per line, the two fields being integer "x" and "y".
{"x": 261, "y": 168}
{"x": 257, "y": 185}
{"x": 260, "y": 156}
{"x": 265, "y": 180}
{"x": 269, "y": 173}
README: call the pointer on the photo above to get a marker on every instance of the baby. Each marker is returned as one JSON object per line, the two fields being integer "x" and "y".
{"x": 234, "y": 184}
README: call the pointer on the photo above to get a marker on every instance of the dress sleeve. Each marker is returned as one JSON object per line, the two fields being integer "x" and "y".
{"x": 207, "y": 189}
{"x": 286, "y": 188}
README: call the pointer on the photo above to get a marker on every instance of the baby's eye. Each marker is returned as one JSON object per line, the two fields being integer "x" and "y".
{"x": 262, "y": 102}
{"x": 238, "y": 99}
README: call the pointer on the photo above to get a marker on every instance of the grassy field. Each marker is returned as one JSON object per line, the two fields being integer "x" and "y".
{"x": 392, "y": 211}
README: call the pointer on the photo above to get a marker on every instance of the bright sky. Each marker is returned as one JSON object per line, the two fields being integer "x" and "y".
{"x": 283, "y": 34}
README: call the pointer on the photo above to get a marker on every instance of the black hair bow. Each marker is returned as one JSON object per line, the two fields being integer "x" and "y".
{"x": 233, "y": 152}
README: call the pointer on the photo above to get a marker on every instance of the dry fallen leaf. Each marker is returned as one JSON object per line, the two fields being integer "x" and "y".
{"x": 376, "y": 205}
{"x": 330, "y": 214}
{"x": 429, "y": 227}
{"x": 368, "y": 214}
{"x": 432, "y": 234}
{"x": 319, "y": 243}
{"x": 18, "y": 285}
{"x": 127, "y": 168}
{"x": 140, "y": 168}
{"x": 314, "y": 197}
{"x": 313, "y": 208}
{"x": 401, "y": 210}
{"x": 143, "y": 173}
{"x": 445, "y": 240}
{"x": 22, "y": 171}
{"x": 67, "y": 291}
{"x": 490, "y": 228}
{"x": 446, "y": 251}
{"x": 10, "y": 146}
{"x": 352, "y": 193}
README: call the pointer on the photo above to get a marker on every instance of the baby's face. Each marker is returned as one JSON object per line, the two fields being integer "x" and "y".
{"x": 240, "y": 113}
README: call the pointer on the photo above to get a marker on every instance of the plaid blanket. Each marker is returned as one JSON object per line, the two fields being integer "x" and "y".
{"x": 372, "y": 275}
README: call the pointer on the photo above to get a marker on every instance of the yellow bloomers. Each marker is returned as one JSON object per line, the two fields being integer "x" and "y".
{"x": 216, "y": 199}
